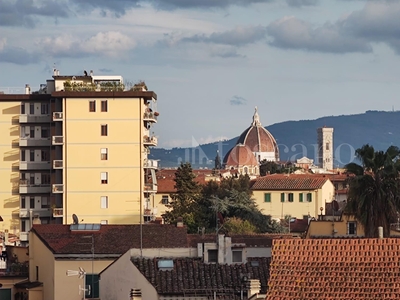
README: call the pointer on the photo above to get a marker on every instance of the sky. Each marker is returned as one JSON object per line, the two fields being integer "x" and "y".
{"x": 212, "y": 61}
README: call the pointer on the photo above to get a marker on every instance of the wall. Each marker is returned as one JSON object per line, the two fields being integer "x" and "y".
{"x": 9, "y": 160}
{"x": 83, "y": 166}
{"x": 161, "y": 208}
{"x": 120, "y": 277}
{"x": 325, "y": 228}
{"x": 165, "y": 252}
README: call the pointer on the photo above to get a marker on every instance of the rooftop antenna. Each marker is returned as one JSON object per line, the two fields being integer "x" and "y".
{"x": 84, "y": 73}
{"x": 75, "y": 219}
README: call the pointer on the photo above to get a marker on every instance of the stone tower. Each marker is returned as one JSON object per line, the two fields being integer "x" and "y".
{"x": 325, "y": 148}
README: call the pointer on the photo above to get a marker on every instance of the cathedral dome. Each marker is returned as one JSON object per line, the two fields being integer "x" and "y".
{"x": 260, "y": 141}
{"x": 240, "y": 155}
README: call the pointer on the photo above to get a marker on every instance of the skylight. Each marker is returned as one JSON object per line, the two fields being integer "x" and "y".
{"x": 85, "y": 227}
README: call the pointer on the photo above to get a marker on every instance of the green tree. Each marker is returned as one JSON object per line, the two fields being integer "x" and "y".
{"x": 184, "y": 202}
{"x": 238, "y": 226}
{"x": 373, "y": 190}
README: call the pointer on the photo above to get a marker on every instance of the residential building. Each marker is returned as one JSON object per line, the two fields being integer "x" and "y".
{"x": 296, "y": 195}
{"x": 334, "y": 269}
{"x": 325, "y": 148}
{"x": 79, "y": 147}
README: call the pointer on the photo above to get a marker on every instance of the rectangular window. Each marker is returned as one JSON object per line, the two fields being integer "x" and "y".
{"x": 104, "y": 177}
{"x": 104, "y": 202}
{"x": 23, "y": 226}
{"x": 92, "y": 106}
{"x": 45, "y": 155}
{"x": 45, "y": 132}
{"x": 300, "y": 197}
{"x": 45, "y": 178}
{"x": 32, "y": 109}
{"x": 104, "y": 154}
{"x": 32, "y": 179}
{"x": 104, "y": 105}
{"x": 327, "y": 146}
{"x": 104, "y": 222}
{"x": 31, "y": 202}
{"x": 23, "y": 158}
{"x": 309, "y": 197}
{"x": 92, "y": 280}
{"x": 282, "y": 197}
{"x": 45, "y": 202}
{"x": 213, "y": 256}
{"x": 31, "y": 155}
{"x": 104, "y": 130}
{"x": 44, "y": 109}
{"x": 165, "y": 199}
{"x": 267, "y": 197}
{"x": 290, "y": 197}
{"x": 351, "y": 228}
{"x": 22, "y": 108}
{"x": 23, "y": 202}
{"x": 32, "y": 132}
{"x": 237, "y": 256}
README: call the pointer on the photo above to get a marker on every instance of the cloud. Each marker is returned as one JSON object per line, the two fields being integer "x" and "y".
{"x": 239, "y": 36}
{"x": 228, "y": 53}
{"x": 299, "y": 3}
{"x": 205, "y": 4}
{"x": 111, "y": 43}
{"x": 25, "y": 12}
{"x": 237, "y": 100}
{"x": 17, "y": 55}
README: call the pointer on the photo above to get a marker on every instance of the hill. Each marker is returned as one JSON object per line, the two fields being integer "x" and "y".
{"x": 299, "y": 138}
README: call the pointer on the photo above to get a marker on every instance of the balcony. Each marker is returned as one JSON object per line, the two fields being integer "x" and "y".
{"x": 34, "y": 142}
{"x": 150, "y": 117}
{"x": 57, "y": 116}
{"x": 150, "y": 188}
{"x": 150, "y": 164}
{"x": 58, "y": 164}
{"x": 34, "y": 118}
{"x": 58, "y": 140}
{"x": 34, "y": 165}
{"x": 24, "y": 213}
{"x": 41, "y": 212}
{"x": 58, "y": 189}
{"x": 24, "y": 236}
{"x": 57, "y": 212}
{"x": 27, "y": 188}
{"x": 15, "y": 269}
{"x": 150, "y": 140}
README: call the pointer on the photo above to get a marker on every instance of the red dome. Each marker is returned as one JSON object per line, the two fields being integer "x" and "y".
{"x": 240, "y": 155}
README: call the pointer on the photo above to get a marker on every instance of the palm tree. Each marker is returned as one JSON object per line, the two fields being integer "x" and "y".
{"x": 373, "y": 190}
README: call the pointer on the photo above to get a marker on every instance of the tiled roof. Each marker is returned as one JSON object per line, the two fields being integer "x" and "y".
{"x": 335, "y": 269}
{"x": 258, "y": 139}
{"x": 166, "y": 183}
{"x": 110, "y": 239}
{"x": 240, "y": 155}
{"x": 250, "y": 240}
{"x": 289, "y": 182}
{"x": 193, "y": 275}
{"x": 299, "y": 226}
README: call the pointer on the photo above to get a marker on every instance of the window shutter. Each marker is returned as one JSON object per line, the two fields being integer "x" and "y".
{"x": 267, "y": 197}
{"x": 301, "y": 197}
{"x": 282, "y": 197}
{"x": 103, "y": 151}
{"x": 103, "y": 176}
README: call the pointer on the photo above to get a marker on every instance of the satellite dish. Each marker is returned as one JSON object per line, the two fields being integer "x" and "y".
{"x": 335, "y": 205}
{"x": 75, "y": 219}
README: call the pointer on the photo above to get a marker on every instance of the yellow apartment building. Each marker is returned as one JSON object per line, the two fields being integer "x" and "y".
{"x": 78, "y": 146}
{"x": 296, "y": 195}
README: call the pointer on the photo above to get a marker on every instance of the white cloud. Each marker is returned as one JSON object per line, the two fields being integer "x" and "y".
{"x": 3, "y": 43}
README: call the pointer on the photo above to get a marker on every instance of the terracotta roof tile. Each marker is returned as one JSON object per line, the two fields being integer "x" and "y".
{"x": 240, "y": 155}
{"x": 110, "y": 239}
{"x": 192, "y": 276}
{"x": 166, "y": 183}
{"x": 335, "y": 269}
{"x": 289, "y": 182}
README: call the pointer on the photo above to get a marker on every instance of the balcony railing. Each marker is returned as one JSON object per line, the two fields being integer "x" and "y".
{"x": 27, "y": 187}
{"x": 34, "y": 165}
{"x": 58, "y": 188}
{"x": 40, "y": 212}
{"x": 27, "y": 118}
{"x": 150, "y": 164}
{"x": 150, "y": 116}
{"x": 58, "y": 140}
{"x": 150, "y": 140}
{"x": 58, "y": 164}
{"x": 28, "y": 141}
{"x": 24, "y": 213}
{"x": 57, "y": 212}
{"x": 24, "y": 236}
{"x": 57, "y": 116}
{"x": 150, "y": 188}
{"x": 16, "y": 269}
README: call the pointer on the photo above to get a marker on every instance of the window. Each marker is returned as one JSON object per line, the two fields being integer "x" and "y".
{"x": 104, "y": 154}
{"x": 290, "y": 197}
{"x": 165, "y": 199}
{"x": 31, "y": 202}
{"x": 32, "y": 132}
{"x": 23, "y": 158}
{"x": 23, "y": 203}
{"x": 104, "y": 130}
{"x": 23, "y": 226}
{"x": 31, "y": 155}
{"x": 104, "y": 202}
{"x": 104, "y": 177}
{"x": 45, "y": 178}
{"x": 327, "y": 146}
{"x": 44, "y": 109}
{"x": 45, "y": 155}
{"x": 165, "y": 264}
{"x": 32, "y": 179}
{"x": 309, "y": 197}
{"x": 104, "y": 222}
{"x": 32, "y": 109}
{"x": 92, "y": 106}
{"x": 351, "y": 228}
{"x": 45, "y": 202}
{"x": 213, "y": 256}
{"x": 104, "y": 105}
{"x": 301, "y": 197}
{"x": 93, "y": 281}
{"x": 45, "y": 132}
{"x": 282, "y": 197}
{"x": 22, "y": 108}
{"x": 267, "y": 197}
{"x": 237, "y": 256}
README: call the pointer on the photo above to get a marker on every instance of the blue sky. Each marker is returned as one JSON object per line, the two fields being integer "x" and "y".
{"x": 212, "y": 61}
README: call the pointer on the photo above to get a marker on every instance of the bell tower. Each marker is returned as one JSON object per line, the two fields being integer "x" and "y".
{"x": 325, "y": 148}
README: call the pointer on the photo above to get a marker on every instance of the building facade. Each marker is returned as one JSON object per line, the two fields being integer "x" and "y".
{"x": 325, "y": 148}
{"x": 78, "y": 147}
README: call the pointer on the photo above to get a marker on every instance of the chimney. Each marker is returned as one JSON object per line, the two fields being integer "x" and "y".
{"x": 179, "y": 222}
{"x": 91, "y": 72}
{"x": 253, "y": 287}
{"x": 136, "y": 294}
{"x": 27, "y": 89}
{"x": 6, "y": 237}
{"x": 380, "y": 232}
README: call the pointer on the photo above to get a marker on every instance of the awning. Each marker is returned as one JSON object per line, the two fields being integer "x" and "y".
{"x": 28, "y": 284}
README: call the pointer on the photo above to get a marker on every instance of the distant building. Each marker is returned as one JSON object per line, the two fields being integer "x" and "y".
{"x": 325, "y": 148}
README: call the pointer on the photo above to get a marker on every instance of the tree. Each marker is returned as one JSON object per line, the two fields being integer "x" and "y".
{"x": 184, "y": 202}
{"x": 238, "y": 226}
{"x": 373, "y": 190}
